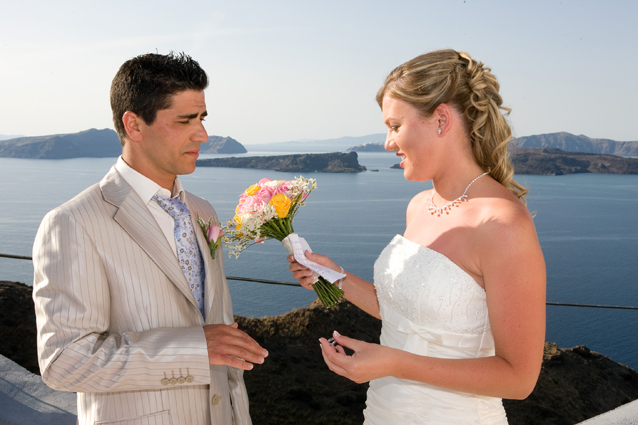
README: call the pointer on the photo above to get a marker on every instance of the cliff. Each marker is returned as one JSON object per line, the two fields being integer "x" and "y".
{"x": 294, "y": 386}
{"x": 91, "y": 144}
{"x": 335, "y": 162}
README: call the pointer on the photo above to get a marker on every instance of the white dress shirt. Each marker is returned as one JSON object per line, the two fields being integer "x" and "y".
{"x": 146, "y": 189}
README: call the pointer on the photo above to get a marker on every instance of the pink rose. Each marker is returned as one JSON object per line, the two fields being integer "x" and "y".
{"x": 262, "y": 181}
{"x": 250, "y": 205}
{"x": 283, "y": 187}
{"x": 264, "y": 194}
{"x": 214, "y": 232}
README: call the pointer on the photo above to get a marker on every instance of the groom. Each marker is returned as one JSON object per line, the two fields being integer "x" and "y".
{"x": 133, "y": 312}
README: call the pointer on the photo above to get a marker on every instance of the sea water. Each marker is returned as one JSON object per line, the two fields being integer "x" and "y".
{"x": 587, "y": 226}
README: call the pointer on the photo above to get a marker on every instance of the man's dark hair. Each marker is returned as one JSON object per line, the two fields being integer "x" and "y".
{"x": 146, "y": 83}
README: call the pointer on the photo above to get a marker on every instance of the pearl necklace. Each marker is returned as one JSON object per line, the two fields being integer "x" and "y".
{"x": 455, "y": 203}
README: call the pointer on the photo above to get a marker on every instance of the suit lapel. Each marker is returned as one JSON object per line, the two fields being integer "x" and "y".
{"x": 136, "y": 220}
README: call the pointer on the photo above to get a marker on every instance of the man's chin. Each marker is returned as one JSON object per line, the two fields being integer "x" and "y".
{"x": 187, "y": 169}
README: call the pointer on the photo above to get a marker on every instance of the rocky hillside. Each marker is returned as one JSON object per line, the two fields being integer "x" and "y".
{"x": 336, "y": 162}
{"x": 17, "y": 325}
{"x": 294, "y": 386}
{"x": 91, "y": 144}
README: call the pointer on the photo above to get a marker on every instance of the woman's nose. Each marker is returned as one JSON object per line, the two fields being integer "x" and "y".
{"x": 389, "y": 142}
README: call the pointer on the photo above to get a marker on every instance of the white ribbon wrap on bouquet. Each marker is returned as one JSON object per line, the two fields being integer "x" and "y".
{"x": 297, "y": 246}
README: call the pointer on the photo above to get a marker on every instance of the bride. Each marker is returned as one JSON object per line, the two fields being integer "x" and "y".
{"x": 462, "y": 293}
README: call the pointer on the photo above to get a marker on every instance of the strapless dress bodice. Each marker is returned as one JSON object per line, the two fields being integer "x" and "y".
{"x": 431, "y": 307}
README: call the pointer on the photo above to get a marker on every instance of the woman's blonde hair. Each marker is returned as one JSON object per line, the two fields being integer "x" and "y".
{"x": 453, "y": 78}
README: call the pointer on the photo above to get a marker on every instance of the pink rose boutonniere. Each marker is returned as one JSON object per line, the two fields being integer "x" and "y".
{"x": 213, "y": 234}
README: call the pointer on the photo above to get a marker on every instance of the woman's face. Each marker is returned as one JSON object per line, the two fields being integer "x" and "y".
{"x": 413, "y": 137}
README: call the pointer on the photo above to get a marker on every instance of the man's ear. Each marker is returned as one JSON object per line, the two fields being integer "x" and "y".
{"x": 132, "y": 123}
{"x": 444, "y": 117}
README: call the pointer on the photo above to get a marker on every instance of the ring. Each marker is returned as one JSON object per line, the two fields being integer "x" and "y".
{"x": 332, "y": 341}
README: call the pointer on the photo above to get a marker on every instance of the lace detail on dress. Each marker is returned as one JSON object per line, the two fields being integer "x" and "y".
{"x": 430, "y": 307}
{"x": 430, "y": 290}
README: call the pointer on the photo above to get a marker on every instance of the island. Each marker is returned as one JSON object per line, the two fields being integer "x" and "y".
{"x": 218, "y": 144}
{"x": 368, "y": 147}
{"x": 555, "y": 162}
{"x": 564, "y": 141}
{"x": 335, "y": 162}
{"x": 85, "y": 144}
{"x": 572, "y": 143}
{"x": 92, "y": 143}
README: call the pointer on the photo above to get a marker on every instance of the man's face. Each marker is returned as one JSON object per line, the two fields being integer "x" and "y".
{"x": 170, "y": 146}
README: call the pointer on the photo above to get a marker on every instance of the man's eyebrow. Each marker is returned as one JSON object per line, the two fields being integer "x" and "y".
{"x": 193, "y": 116}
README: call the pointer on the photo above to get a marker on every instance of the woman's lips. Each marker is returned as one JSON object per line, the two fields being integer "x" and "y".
{"x": 402, "y": 156}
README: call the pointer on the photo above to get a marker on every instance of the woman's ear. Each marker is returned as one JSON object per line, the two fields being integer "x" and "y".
{"x": 131, "y": 123}
{"x": 444, "y": 119}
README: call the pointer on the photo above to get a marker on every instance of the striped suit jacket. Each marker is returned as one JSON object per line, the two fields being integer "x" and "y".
{"x": 117, "y": 322}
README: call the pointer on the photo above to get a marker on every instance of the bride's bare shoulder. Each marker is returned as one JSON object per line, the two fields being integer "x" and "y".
{"x": 505, "y": 219}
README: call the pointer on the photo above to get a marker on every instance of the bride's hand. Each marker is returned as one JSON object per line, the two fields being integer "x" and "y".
{"x": 368, "y": 362}
{"x": 303, "y": 274}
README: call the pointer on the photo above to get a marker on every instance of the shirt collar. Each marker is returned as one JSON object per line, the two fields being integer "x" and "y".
{"x": 145, "y": 187}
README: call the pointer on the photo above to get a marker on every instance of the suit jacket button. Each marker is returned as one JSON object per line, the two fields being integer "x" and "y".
{"x": 164, "y": 381}
{"x": 181, "y": 380}
{"x": 189, "y": 379}
{"x": 215, "y": 400}
{"x": 172, "y": 381}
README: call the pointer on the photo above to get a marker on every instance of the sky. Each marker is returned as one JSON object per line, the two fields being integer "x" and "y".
{"x": 298, "y": 70}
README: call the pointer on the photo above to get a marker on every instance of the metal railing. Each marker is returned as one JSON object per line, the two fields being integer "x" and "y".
{"x": 276, "y": 282}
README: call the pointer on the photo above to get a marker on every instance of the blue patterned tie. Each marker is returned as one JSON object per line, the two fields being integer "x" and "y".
{"x": 188, "y": 254}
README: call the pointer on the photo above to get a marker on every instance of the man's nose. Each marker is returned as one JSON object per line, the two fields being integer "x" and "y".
{"x": 201, "y": 135}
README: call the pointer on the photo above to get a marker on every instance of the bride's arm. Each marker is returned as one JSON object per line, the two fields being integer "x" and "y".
{"x": 356, "y": 290}
{"x": 513, "y": 270}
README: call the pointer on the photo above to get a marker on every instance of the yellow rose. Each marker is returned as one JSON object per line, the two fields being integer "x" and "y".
{"x": 237, "y": 221}
{"x": 253, "y": 189}
{"x": 281, "y": 203}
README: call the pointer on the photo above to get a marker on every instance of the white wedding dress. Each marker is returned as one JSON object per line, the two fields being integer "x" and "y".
{"x": 432, "y": 307}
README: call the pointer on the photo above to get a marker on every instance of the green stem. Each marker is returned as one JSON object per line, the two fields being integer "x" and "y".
{"x": 328, "y": 293}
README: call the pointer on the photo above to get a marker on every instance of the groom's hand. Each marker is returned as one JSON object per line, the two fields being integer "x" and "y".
{"x": 229, "y": 346}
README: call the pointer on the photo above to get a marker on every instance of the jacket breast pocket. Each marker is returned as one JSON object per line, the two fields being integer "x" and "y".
{"x": 159, "y": 418}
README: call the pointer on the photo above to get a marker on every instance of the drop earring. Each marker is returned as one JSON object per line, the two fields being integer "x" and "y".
{"x": 439, "y": 131}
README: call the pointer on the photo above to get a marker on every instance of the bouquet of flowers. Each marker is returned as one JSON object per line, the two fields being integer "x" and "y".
{"x": 266, "y": 211}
